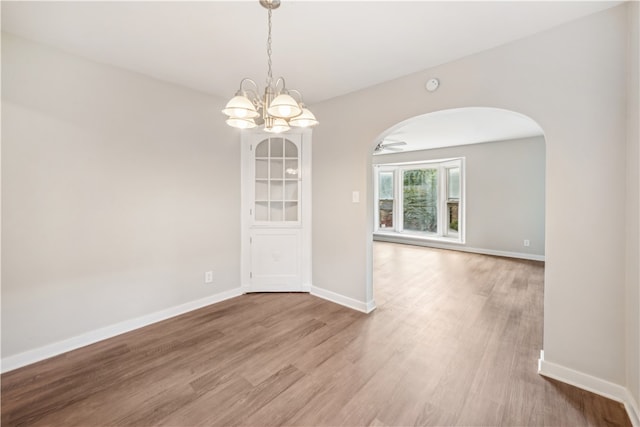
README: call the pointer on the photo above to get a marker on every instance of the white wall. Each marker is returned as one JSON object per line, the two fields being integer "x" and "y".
{"x": 504, "y": 192}
{"x": 118, "y": 192}
{"x": 633, "y": 209}
{"x": 556, "y": 78}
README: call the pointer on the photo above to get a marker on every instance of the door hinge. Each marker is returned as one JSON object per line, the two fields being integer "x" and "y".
{"x": 250, "y": 275}
{"x": 250, "y": 240}
{"x": 250, "y": 212}
{"x": 251, "y": 147}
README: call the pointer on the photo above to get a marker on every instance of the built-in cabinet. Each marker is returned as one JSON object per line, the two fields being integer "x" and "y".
{"x": 276, "y": 212}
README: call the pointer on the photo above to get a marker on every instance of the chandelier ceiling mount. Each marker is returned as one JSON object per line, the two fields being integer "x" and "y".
{"x": 270, "y": 4}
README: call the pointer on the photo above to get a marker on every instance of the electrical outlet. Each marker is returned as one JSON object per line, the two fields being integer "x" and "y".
{"x": 527, "y": 242}
{"x": 208, "y": 277}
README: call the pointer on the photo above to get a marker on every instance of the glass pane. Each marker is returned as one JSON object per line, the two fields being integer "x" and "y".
{"x": 276, "y": 180}
{"x": 262, "y": 211}
{"x": 277, "y": 171}
{"x": 276, "y": 147}
{"x": 453, "y": 183}
{"x": 277, "y": 190}
{"x": 262, "y": 169}
{"x": 276, "y": 211}
{"x": 291, "y": 211}
{"x": 385, "y": 213}
{"x": 291, "y": 169}
{"x": 291, "y": 190}
{"x": 290, "y": 149}
{"x": 385, "y": 199}
{"x": 420, "y": 193}
{"x": 452, "y": 218}
{"x": 262, "y": 149}
{"x": 385, "y": 189}
{"x": 262, "y": 190}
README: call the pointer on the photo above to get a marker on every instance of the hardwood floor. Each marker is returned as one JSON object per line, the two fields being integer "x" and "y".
{"x": 454, "y": 341}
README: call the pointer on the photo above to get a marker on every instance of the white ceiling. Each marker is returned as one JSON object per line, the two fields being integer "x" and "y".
{"x": 324, "y": 49}
{"x": 460, "y": 126}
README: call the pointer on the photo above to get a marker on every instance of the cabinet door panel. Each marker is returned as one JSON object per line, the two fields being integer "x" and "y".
{"x": 275, "y": 260}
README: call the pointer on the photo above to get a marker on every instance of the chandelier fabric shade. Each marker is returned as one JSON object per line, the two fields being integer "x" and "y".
{"x": 305, "y": 119}
{"x": 284, "y": 106}
{"x": 241, "y": 123}
{"x": 240, "y": 107}
{"x": 278, "y": 126}
{"x": 277, "y": 110}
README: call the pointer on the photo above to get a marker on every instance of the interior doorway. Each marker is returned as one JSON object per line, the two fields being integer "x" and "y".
{"x": 494, "y": 203}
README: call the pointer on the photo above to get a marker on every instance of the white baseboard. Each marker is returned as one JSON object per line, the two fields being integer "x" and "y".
{"x": 351, "y": 303}
{"x": 247, "y": 289}
{"x": 365, "y": 307}
{"x": 593, "y": 384}
{"x": 31, "y": 356}
{"x": 455, "y": 247}
{"x": 632, "y": 409}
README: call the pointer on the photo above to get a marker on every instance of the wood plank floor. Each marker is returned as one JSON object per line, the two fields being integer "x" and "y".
{"x": 454, "y": 341}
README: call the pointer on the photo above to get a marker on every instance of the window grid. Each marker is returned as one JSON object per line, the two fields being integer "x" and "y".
{"x": 277, "y": 181}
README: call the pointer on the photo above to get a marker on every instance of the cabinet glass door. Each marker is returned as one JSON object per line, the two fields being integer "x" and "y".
{"x": 277, "y": 181}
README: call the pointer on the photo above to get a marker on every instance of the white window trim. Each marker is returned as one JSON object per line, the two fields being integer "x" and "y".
{"x": 398, "y": 169}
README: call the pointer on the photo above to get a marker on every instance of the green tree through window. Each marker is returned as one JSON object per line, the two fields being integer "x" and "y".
{"x": 420, "y": 193}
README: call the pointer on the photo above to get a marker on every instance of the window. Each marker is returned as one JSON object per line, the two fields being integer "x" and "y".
{"x": 421, "y": 200}
{"x": 385, "y": 200}
{"x": 453, "y": 200}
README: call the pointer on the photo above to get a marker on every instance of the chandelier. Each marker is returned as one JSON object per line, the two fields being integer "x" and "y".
{"x": 277, "y": 110}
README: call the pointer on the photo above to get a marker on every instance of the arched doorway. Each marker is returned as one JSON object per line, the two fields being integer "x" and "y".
{"x": 493, "y": 203}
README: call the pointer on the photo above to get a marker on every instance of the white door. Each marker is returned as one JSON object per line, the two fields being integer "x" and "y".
{"x": 276, "y": 212}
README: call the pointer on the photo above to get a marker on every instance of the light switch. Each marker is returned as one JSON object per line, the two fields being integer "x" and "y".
{"x": 355, "y": 197}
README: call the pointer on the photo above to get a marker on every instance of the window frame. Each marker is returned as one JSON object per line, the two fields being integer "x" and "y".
{"x": 395, "y": 201}
{"x": 446, "y": 199}
{"x": 443, "y": 233}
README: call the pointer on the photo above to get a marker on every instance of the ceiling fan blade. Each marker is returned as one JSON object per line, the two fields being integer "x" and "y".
{"x": 392, "y": 143}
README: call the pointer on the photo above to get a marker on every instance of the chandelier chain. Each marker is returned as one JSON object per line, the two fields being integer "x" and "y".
{"x": 276, "y": 111}
{"x": 269, "y": 73}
